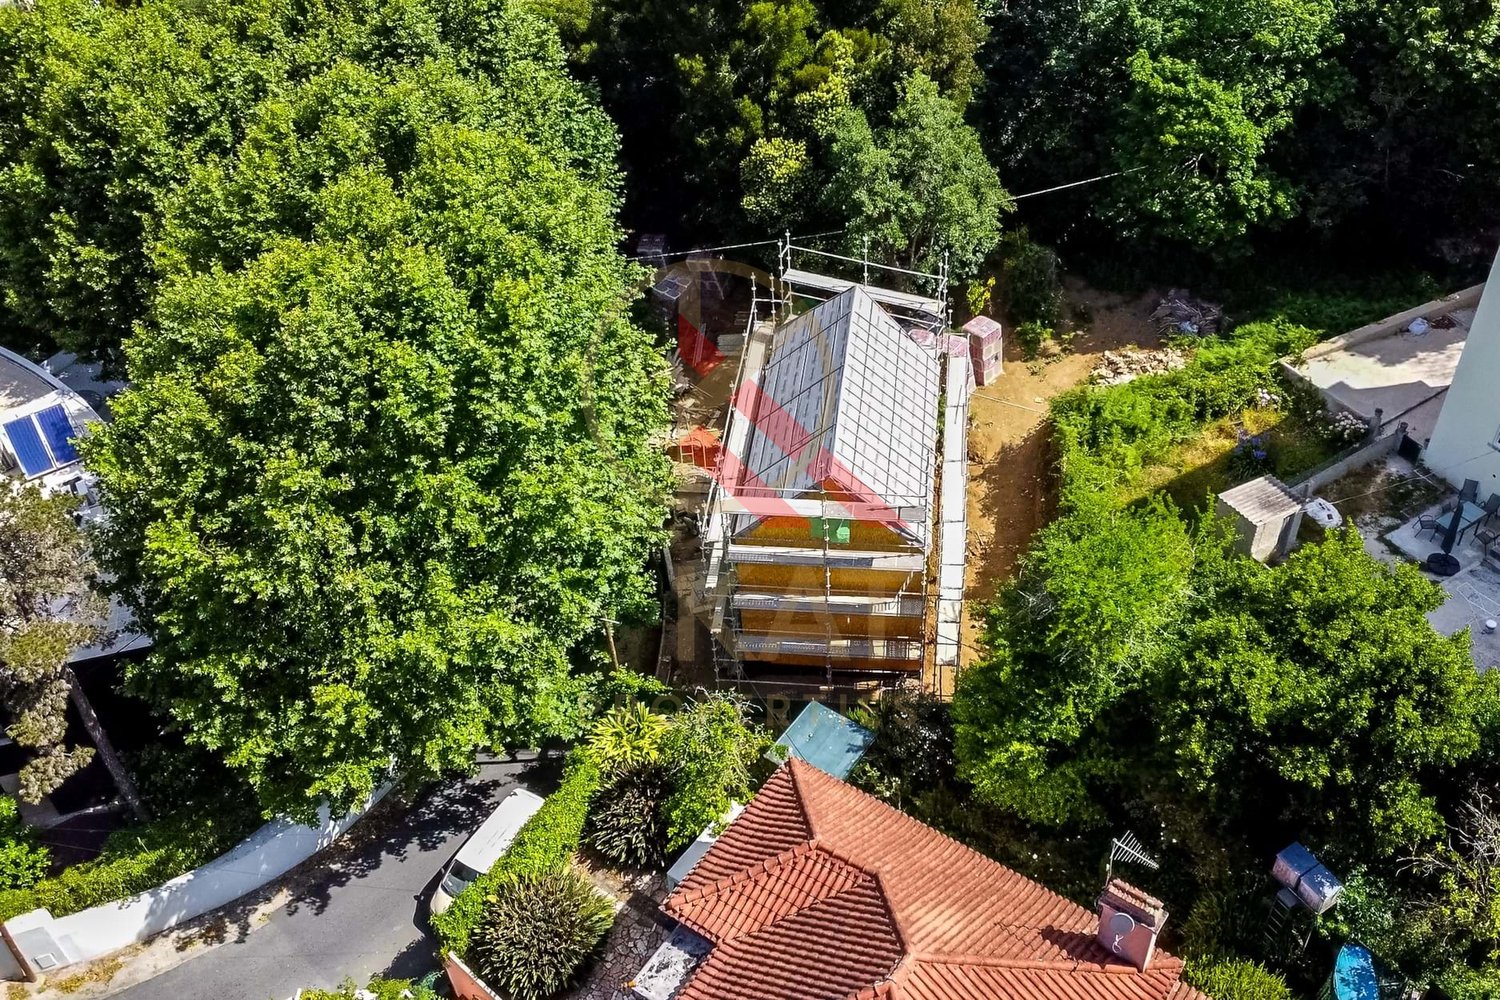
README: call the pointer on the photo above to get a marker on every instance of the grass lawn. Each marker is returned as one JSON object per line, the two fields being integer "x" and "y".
{"x": 1207, "y": 464}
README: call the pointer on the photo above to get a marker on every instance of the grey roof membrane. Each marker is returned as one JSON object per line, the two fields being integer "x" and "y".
{"x": 846, "y": 395}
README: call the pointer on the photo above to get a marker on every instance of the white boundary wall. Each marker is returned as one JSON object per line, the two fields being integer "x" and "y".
{"x": 953, "y": 524}
{"x": 50, "y": 943}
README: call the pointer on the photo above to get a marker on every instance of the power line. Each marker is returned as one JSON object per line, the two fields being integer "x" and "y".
{"x": 730, "y": 246}
{"x": 1074, "y": 184}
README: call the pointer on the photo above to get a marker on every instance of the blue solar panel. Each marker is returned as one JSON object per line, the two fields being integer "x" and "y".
{"x": 28, "y": 446}
{"x": 57, "y": 429}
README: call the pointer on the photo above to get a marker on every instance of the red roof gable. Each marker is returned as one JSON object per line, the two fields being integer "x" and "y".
{"x": 821, "y": 892}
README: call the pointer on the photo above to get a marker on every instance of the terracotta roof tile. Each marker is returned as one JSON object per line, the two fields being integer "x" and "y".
{"x": 821, "y": 892}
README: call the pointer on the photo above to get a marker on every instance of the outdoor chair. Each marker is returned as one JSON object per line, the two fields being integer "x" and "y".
{"x": 1447, "y": 506}
{"x": 1492, "y": 506}
{"x": 1470, "y": 492}
{"x": 1426, "y": 522}
{"x": 1486, "y": 537}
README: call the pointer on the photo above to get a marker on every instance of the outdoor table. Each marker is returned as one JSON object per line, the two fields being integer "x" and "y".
{"x": 1469, "y": 516}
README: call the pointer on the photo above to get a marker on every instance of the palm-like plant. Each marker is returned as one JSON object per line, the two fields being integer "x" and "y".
{"x": 539, "y": 932}
{"x": 627, "y": 737}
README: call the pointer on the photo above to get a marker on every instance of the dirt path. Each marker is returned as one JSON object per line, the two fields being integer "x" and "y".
{"x": 1010, "y": 464}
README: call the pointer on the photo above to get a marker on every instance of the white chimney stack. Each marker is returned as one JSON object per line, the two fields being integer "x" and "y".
{"x": 1129, "y": 922}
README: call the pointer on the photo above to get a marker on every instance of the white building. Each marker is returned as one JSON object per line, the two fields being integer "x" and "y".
{"x": 1466, "y": 440}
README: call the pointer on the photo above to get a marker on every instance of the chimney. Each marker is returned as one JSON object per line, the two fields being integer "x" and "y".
{"x": 1129, "y": 921}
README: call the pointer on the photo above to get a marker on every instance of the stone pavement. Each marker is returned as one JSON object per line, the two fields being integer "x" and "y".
{"x": 639, "y": 929}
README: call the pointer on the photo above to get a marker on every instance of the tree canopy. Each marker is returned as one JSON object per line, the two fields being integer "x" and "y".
{"x": 47, "y": 609}
{"x": 384, "y": 461}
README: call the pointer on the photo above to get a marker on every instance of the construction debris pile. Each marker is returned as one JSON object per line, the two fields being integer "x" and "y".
{"x": 1180, "y": 312}
{"x": 1119, "y": 367}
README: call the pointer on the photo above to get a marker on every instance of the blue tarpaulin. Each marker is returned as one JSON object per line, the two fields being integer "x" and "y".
{"x": 826, "y": 740}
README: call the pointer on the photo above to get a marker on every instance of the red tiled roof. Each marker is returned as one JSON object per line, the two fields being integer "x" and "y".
{"x": 821, "y": 892}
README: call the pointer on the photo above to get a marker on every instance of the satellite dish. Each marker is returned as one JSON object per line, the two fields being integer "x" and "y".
{"x": 1121, "y": 924}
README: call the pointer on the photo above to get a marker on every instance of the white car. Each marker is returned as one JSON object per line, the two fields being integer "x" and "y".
{"x": 485, "y": 846}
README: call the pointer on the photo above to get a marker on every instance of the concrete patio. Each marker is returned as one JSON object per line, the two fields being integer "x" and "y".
{"x": 1473, "y": 592}
{"x": 1387, "y": 368}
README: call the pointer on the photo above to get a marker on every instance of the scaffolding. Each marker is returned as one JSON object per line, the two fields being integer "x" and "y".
{"x": 845, "y": 596}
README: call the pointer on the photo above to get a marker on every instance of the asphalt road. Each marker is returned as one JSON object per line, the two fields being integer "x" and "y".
{"x": 368, "y": 915}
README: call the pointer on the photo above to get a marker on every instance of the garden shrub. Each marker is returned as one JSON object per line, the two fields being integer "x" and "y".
{"x": 1031, "y": 336}
{"x": 23, "y": 861}
{"x": 709, "y": 751}
{"x": 543, "y": 844}
{"x": 626, "y": 824}
{"x": 538, "y": 932}
{"x": 384, "y": 989}
{"x": 627, "y": 737}
{"x": 1236, "y": 979}
{"x": 140, "y": 858}
{"x": 1031, "y": 279}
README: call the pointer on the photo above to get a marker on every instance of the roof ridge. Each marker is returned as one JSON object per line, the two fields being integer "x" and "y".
{"x": 804, "y": 766}
{"x": 764, "y": 865}
{"x": 1162, "y": 962}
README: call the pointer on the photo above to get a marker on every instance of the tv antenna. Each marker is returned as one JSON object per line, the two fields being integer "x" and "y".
{"x": 1127, "y": 848}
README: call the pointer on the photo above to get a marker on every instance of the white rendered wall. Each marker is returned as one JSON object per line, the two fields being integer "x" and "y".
{"x": 50, "y": 943}
{"x": 1464, "y": 441}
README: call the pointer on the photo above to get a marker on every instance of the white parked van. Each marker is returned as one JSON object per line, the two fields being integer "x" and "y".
{"x": 484, "y": 846}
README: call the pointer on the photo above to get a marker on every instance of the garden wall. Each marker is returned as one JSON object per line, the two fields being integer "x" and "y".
{"x": 49, "y": 943}
{"x": 1347, "y": 462}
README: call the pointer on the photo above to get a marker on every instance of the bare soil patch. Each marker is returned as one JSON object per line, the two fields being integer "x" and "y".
{"x": 1011, "y": 488}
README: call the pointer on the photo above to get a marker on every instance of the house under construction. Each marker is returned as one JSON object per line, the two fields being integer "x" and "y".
{"x": 820, "y": 533}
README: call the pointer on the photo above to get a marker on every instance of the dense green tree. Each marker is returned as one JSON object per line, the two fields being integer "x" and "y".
{"x": 385, "y": 459}
{"x": 1319, "y": 686}
{"x": 108, "y": 108}
{"x": 920, "y": 189}
{"x": 1083, "y": 627}
{"x": 1312, "y": 698}
{"x": 740, "y": 112}
{"x": 48, "y": 608}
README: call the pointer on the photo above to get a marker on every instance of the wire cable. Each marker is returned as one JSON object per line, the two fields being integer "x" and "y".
{"x": 729, "y": 246}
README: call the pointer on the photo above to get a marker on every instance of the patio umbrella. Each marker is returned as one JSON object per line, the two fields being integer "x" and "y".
{"x": 1450, "y": 531}
{"x": 1444, "y": 563}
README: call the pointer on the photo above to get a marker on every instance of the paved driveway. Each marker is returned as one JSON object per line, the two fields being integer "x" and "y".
{"x": 367, "y": 916}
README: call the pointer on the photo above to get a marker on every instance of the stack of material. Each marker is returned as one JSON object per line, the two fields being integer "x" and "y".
{"x": 1118, "y": 367}
{"x": 1180, "y": 312}
{"x": 985, "y": 341}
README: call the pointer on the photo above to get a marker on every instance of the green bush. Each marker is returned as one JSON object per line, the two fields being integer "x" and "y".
{"x": 709, "y": 751}
{"x": 543, "y": 844}
{"x": 1031, "y": 336}
{"x": 627, "y": 737}
{"x": 23, "y": 861}
{"x": 1236, "y": 979}
{"x": 539, "y": 931}
{"x": 384, "y": 989}
{"x": 141, "y": 858}
{"x": 626, "y": 824}
{"x": 1105, "y": 434}
{"x": 1031, "y": 280}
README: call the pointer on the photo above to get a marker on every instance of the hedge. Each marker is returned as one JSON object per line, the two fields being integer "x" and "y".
{"x": 546, "y": 841}
{"x": 1236, "y": 979}
{"x": 139, "y": 858}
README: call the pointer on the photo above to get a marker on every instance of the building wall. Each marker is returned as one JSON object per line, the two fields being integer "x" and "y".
{"x": 872, "y": 535}
{"x": 796, "y": 623}
{"x": 771, "y": 578}
{"x": 1466, "y": 441}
